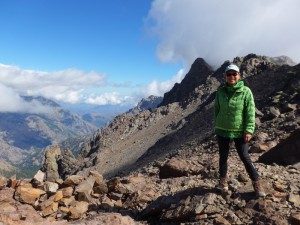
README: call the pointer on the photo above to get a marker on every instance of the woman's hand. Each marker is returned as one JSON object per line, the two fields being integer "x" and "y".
{"x": 247, "y": 137}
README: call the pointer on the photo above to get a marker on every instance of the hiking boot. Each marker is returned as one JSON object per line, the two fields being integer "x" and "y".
{"x": 259, "y": 190}
{"x": 222, "y": 185}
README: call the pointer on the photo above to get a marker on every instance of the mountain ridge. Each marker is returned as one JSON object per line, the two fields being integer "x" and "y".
{"x": 132, "y": 138}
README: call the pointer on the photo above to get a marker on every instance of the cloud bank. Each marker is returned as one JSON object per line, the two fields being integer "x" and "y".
{"x": 66, "y": 86}
{"x": 12, "y": 102}
{"x": 69, "y": 86}
{"x": 221, "y": 30}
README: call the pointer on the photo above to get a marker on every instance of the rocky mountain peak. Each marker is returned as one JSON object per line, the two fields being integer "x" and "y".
{"x": 195, "y": 77}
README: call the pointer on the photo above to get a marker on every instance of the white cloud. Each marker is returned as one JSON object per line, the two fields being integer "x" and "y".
{"x": 159, "y": 88}
{"x": 112, "y": 98}
{"x": 11, "y": 101}
{"x": 154, "y": 88}
{"x": 68, "y": 86}
{"x": 220, "y": 30}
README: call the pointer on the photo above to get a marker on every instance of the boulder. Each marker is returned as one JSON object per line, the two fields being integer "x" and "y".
{"x": 78, "y": 210}
{"x": 176, "y": 168}
{"x": 84, "y": 189}
{"x": 28, "y": 195}
{"x": 286, "y": 152}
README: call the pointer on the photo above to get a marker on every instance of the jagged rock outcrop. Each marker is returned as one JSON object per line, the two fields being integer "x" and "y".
{"x": 195, "y": 77}
{"x": 67, "y": 163}
{"x": 50, "y": 165}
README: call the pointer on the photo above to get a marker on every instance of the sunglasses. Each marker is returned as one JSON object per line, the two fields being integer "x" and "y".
{"x": 231, "y": 74}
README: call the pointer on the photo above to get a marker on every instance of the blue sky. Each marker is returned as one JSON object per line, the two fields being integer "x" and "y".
{"x": 106, "y": 36}
{"x": 118, "y": 51}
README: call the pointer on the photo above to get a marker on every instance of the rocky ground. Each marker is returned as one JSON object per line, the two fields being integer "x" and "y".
{"x": 175, "y": 191}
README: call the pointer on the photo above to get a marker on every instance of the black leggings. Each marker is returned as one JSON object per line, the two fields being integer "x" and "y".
{"x": 242, "y": 150}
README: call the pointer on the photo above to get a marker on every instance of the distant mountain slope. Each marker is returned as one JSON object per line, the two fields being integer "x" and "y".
{"x": 99, "y": 115}
{"x": 6, "y": 169}
{"x": 26, "y": 134}
{"x": 97, "y": 119}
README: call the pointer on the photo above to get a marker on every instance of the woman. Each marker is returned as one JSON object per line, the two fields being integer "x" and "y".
{"x": 235, "y": 119}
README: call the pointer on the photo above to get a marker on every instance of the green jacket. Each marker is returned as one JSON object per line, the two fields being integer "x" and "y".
{"x": 234, "y": 111}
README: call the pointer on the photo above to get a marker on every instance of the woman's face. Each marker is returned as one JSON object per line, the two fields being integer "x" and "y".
{"x": 232, "y": 77}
